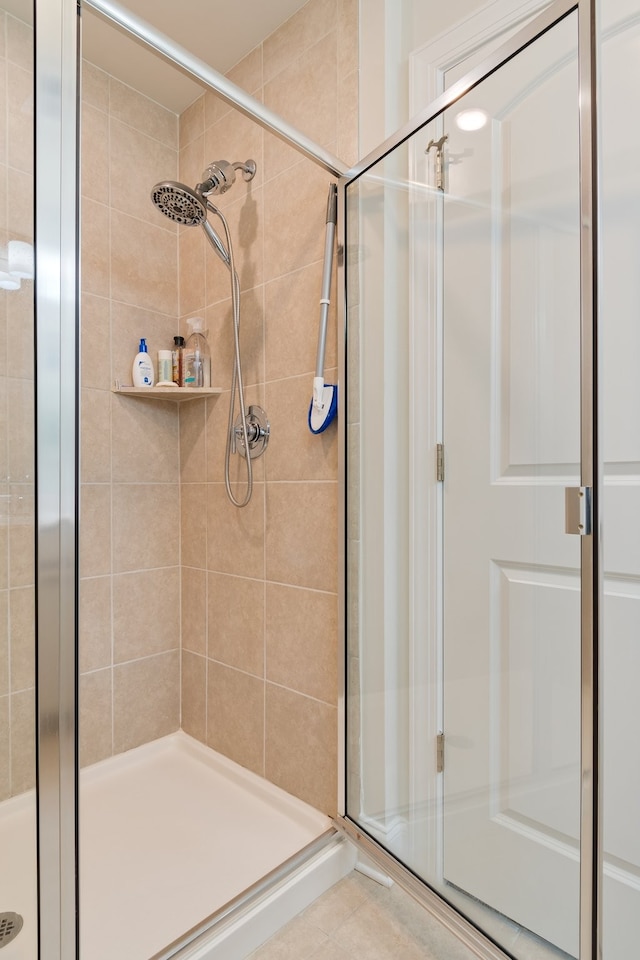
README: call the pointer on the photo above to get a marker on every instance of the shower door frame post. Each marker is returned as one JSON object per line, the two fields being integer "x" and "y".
{"x": 591, "y": 855}
{"x": 56, "y": 322}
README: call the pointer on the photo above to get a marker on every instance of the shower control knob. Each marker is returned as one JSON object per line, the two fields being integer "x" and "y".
{"x": 257, "y": 432}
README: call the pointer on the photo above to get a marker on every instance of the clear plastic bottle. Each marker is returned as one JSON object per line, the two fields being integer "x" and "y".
{"x": 197, "y": 356}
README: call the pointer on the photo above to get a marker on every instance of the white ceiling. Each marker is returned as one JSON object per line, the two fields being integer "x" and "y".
{"x": 219, "y": 32}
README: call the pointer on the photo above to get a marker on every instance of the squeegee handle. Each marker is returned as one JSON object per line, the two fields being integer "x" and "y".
{"x": 325, "y": 297}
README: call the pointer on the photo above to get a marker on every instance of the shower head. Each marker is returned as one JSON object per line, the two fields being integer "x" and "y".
{"x": 179, "y": 203}
{"x": 221, "y": 175}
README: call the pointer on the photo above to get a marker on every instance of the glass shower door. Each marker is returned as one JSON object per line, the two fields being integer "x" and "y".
{"x": 465, "y": 429}
{"x": 511, "y": 434}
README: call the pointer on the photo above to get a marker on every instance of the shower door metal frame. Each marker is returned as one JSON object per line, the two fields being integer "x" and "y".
{"x": 56, "y": 387}
{"x": 590, "y": 935}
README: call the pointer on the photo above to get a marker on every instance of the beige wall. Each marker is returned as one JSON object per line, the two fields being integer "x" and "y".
{"x": 130, "y": 495}
{"x": 260, "y": 584}
{"x": 16, "y": 419}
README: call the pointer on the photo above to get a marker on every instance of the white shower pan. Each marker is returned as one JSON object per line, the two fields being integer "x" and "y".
{"x": 170, "y": 833}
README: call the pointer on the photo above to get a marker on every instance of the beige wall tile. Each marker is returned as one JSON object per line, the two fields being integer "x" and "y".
{"x": 293, "y": 241}
{"x": 23, "y": 750}
{"x": 292, "y": 315}
{"x": 193, "y": 460}
{"x": 146, "y": 695}
{"x": 21, "y": 552}
{"x": 19, "y": 118}
{"x": 348, "y": 39}
{"x": 95, "y": 722}
{"x": 193, "y": 524}
{"x": 5, "y": 521}
{"x": 136, "y": 163}
{"x": 245, "y": 218}
{"x": 4, "y": 644}
{"x": 301, "y": 635}
{"x": 247, "y": 73}
{"x": 95, "y": 86}
{"x": 194, "y": 695}
{"x": 145, "y": 441}
{"x": 17, "y": 194}
{"x": 301, "y": 534}
{"x": 144, "y": 264}
{"x": 146, "y": 613}
{"x": 300, "y": 749}
{"x": 305, "y": 92}
{"x": 95, "y": 256}
{"x": 3, "y": 131}
{"x": 95, "y": 436}
{"x": 347, "y": 144}
{"x": 235, "y": 541}
{"x": 19, "y": 321}
{"x": 19, "y": 43}
{"x": 236, "y": 622}
{"x": 192, "y": 161}
{"x": 95, "y": 530}
{"x": 20, "y": 432}
{"x": 95, "y": 342}
{"x": 193, "y": 250}
{"x": 294, "y": 452}
{"x": 5, "y": 749}
{"x": 194, "y": 610}
{"x": 299, "y": 32}
{"x": 235, "y": 138}
{"x": 146, "y": 530}
{"x": 94, "y": 597}
{"x": 219, "y": 322}
{"x": 235, "y": 716}
{"x": 214, "y": 108}
{"x": 94, "y": 154}
{"x": 22, "y": 638}
{"x": 191, "y": 122}
{"x": 143, "y": 114}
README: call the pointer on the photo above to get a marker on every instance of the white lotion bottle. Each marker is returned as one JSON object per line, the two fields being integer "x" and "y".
{"x": 142, "y": 372}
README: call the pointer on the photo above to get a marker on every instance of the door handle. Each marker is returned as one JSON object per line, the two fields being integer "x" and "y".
{"x": 577, "y": 510}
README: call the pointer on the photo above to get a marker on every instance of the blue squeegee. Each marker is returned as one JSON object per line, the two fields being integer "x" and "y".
{"x": 324, "y": 403}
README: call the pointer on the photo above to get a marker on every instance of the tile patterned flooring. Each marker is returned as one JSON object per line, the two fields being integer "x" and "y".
{"x": 359, "y": 919}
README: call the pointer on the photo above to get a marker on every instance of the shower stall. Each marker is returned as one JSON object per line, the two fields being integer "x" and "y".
{"x": 186, "y": 748}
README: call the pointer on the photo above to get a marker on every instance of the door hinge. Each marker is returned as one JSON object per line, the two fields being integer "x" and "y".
{"x": 438, "y": 145}
{"x": 440, "y": 753}
{"x": 440, "y": 462}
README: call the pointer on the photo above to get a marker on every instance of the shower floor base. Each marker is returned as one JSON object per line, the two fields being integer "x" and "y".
{"x": 169, "y": 833}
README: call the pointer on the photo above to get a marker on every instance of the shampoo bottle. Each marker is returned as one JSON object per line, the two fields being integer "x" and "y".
{"x": 197, "y": 356}
{"x": 143, "y": 375}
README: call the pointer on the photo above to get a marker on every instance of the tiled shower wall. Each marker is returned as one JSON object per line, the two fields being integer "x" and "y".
{"x": 130, "y": 495}
{"x": 259, "y": 584}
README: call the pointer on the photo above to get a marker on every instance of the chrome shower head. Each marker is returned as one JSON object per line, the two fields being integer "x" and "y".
{"x": 179, "y": 203}
{"x": 221, "y": 175}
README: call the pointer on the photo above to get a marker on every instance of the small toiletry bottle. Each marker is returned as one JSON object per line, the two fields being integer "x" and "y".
{"x": 165, "y": 368}
{"x": 197, "y": 356}
{"x": 142, "y": 371}
{"x": 178, "y": 360}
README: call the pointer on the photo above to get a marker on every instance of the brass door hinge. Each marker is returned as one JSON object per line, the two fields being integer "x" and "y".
{"x": 440, "y": 753}
{"x": 440, "y": 462}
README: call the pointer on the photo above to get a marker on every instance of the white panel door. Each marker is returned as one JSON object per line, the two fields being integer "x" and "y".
{"x": 511, "y": 433}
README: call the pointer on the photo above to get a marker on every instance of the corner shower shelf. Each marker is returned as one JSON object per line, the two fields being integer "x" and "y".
{"x": 178, "y": 394}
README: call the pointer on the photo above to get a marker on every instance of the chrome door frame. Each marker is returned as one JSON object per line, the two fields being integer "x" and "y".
{"x": 590, "y": 937}
{"x": 56, "y": 325}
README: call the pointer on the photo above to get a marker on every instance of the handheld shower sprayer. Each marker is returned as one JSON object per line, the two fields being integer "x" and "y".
{"x": 250, "y": 434}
